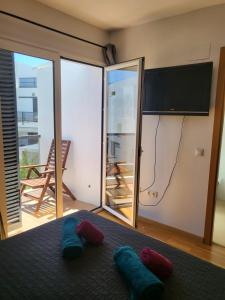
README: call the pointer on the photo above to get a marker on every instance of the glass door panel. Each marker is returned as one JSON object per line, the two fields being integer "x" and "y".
{"x": 27, "y": 111}
{"x": 81, "y": 90}
{"x": 121, "y": 139}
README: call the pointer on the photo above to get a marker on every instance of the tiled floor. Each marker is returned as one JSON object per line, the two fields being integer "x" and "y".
{"x": 47, "y": 212}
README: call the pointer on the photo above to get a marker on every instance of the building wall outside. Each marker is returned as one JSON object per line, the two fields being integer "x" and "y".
{"x": 25, "y": 105}
{"x": 45, "y": 94}
{"x": 44, "y": 127}
{"x": 121, "y": 117}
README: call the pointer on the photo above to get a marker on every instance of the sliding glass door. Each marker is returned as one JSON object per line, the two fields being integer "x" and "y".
{"x": 30, "y": 136}
{"x": 122, "y": 119}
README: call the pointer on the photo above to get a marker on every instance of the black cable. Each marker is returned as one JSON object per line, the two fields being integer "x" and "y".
{"x": 173, "y": 169}
{"x": 51, "y": 29}
{"x": 154, "y": 176}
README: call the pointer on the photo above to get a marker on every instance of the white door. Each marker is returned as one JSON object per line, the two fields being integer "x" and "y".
{"x": 121, "y": 140}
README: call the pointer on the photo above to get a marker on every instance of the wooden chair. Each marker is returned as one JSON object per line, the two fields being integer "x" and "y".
{"x": 45, "y": 179}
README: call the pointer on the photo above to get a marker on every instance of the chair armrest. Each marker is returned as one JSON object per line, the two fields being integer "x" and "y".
{"x": 48, "y": 172}
{"x": 125, "y": 164}
{"x": 31, "y": 166}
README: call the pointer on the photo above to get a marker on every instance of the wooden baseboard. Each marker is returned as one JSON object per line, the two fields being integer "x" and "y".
{"x": 171, "y": 229}
{"x": 157, "y": 226}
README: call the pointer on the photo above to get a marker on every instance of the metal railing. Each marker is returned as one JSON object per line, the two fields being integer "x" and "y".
{"x": 27, "y": 117}
{"x": 27, "y": 140}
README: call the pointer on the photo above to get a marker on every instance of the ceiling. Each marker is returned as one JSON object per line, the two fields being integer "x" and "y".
{"x": 114, "y": 14}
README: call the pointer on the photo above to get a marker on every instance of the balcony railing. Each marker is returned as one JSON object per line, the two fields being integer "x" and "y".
{"x": 27, "y": 117}
{"x": 27, "y": 140}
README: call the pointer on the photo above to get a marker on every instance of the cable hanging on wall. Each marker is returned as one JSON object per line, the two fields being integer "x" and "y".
{"x": 155, "y": 153}
{"x": 172, "y": 171}
{"x": 109, "y": 54}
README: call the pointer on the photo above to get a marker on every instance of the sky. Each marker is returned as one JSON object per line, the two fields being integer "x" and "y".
{"x": 118, "y": 75}
{"x": 29, "y": 60}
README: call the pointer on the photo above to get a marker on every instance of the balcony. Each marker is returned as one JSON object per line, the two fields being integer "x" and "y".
{"x": 47, "y": 212}
{"x": 27, "y": 117}
{"x": 30, "y": 151}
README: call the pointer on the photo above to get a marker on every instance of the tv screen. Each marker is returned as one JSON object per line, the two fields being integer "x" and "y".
{"x": 180, "y": 90}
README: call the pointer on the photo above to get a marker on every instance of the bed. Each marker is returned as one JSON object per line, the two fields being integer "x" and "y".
{"x": 31, "y": 267}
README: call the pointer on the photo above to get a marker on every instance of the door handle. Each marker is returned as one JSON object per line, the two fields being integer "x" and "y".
{"x": 140, "y": 151}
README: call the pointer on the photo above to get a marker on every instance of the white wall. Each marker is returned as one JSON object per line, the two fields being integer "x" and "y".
{"x": 184, "y": 39}
{"x": 81, "y": 123}
{"x": 31, "y": 34}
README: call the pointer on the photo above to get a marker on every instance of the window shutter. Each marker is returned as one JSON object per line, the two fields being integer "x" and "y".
{"x": 10, "y": 138}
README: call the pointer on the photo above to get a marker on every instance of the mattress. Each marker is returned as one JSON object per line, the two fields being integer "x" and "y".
{"x": 31, "y": 267}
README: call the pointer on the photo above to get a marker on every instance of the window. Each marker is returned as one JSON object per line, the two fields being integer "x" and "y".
{"x": 27, "y": 109}
{"x": 28, "y": 82}
{"x": 23, "y": 116}
{"x": 27, "y": 140}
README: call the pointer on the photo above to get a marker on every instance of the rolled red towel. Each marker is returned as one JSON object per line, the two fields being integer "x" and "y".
{"x": 157, "y": 263}
{"x": 90, "y": 232}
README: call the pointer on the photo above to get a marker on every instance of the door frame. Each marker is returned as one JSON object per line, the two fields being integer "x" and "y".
{"x": 134, "y": 62}
{"x": 30, "y": 50}
{"x": 215, "y": 150}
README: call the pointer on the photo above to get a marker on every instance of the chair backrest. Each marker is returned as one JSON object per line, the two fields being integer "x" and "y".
{"x": 65, "y": 147}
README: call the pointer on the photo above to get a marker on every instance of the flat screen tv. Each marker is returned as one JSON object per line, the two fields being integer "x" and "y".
{"x": 180, "y": 90}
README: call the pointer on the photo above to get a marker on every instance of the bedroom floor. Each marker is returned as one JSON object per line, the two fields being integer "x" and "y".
{"x": 181, "y": 240}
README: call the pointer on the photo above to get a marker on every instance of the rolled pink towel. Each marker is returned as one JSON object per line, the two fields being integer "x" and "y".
{"x": 90, "y": 232}
{"x": 157, "y": 263}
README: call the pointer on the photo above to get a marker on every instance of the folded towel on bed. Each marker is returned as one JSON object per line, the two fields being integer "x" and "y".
{"x": 90, "y": 232}
{"x": 157, "y": 263}
{"x": 72, "y": 246}
{"x": 143, "y": 283}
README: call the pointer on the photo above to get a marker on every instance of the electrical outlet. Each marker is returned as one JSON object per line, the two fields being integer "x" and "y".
{"x": 153, "y": 194}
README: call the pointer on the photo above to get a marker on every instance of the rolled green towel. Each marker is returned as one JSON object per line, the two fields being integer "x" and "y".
{"x": 143, "y": 283}
{"x": 72, "y": 246}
